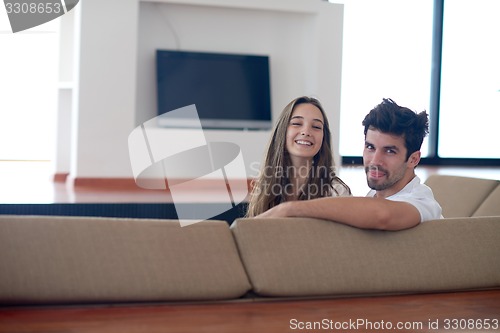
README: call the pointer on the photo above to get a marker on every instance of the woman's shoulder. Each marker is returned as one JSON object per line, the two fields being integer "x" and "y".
{"x": 340, "y": 189}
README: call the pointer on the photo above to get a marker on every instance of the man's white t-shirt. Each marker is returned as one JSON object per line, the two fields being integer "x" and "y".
{"x": 420, "y": 196}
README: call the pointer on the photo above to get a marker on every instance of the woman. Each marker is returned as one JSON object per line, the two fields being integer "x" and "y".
{"x": 298, "y": 164}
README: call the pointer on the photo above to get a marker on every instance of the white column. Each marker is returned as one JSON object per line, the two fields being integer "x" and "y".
{"x": 104, "y": 88}
{"x": 61, "y": 162}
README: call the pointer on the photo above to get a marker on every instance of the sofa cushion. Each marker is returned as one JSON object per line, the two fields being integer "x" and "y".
{"x": 460, "y": 196}
{"x": 46, "y": 259}
{"x": 491, "y": 205}
{"x": 309, "y": 257}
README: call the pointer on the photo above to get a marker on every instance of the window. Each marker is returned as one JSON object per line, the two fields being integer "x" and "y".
{"x": 470, "y": 80}
{"x": 28, "y": 86}
{"x": 386, "y": 54}
{"x": 389, "y": 52}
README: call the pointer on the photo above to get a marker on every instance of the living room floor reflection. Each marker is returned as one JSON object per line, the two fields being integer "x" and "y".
{"x": 32, "y": 182}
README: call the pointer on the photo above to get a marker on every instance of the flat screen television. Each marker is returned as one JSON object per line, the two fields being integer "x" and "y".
{"x": 230, "y": 91}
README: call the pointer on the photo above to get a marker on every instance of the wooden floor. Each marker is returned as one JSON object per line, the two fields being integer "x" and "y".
{"x": 447, "y": 312}
{"x": 32, "y": 182}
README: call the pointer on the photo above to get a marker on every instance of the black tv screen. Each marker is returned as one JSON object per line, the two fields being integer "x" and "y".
{"x": 229, "y": 90}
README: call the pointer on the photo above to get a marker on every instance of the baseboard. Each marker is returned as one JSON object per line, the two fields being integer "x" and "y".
{"x": 61, "y": 177}
{"x": 104, "y": 183}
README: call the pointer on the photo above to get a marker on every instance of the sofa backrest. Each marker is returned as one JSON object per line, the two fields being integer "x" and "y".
{"x": 466, "y": 196}
{"x": 46, "y": 259}
{"x": 307, "y": 257}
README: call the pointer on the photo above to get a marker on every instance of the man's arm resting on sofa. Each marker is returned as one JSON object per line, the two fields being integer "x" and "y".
{"x": 361, "y": 212}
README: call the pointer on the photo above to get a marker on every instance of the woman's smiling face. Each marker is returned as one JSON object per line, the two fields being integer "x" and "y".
{"x": 304, "y": 135}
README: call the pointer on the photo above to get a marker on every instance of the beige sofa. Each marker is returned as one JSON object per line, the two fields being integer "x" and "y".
{"x": 78, "y": 260}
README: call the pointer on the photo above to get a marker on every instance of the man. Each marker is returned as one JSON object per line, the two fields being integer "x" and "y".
{"x": 393, "y": 137}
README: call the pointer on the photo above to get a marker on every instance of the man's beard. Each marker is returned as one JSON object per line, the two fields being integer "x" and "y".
{"x": 374, "y": 185}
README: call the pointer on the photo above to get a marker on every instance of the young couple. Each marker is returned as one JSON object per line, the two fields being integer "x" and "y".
{"x": 298, "y": 175}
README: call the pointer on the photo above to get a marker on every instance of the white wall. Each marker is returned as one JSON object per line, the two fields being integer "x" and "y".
{"x": 114, "y": 81}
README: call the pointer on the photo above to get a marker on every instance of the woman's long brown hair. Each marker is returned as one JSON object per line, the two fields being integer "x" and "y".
{"x": 267, "y": 189}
